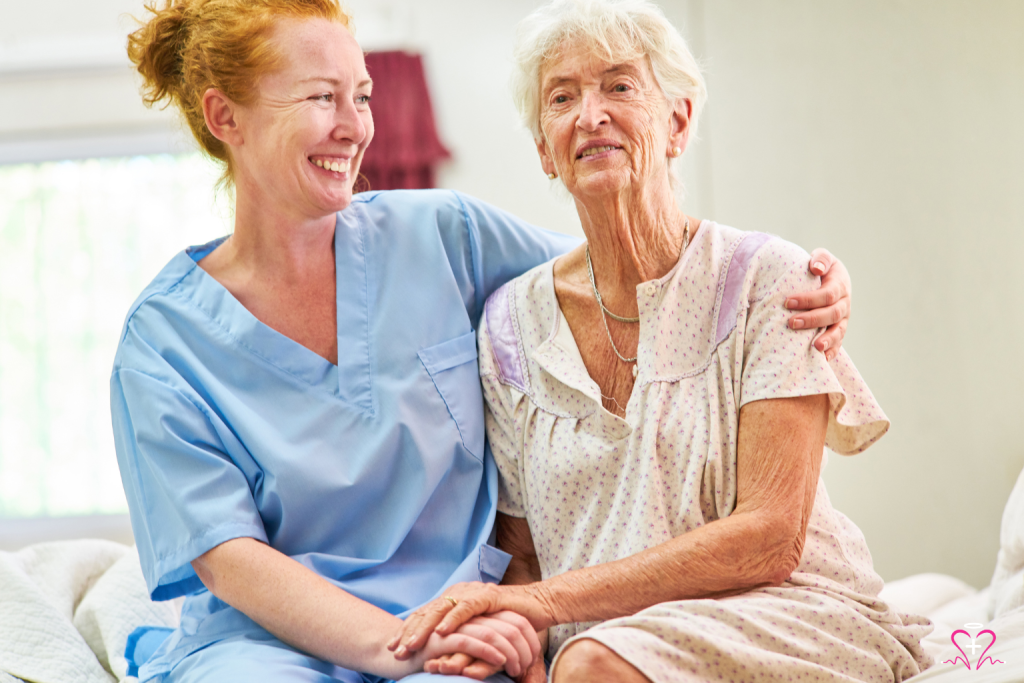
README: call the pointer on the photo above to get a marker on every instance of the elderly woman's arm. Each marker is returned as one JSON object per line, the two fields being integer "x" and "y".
{"x": 778, "y": 462}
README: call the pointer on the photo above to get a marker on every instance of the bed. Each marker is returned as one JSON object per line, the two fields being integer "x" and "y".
{"x": 67, "y": 608}
{"x": 954, "y": 606}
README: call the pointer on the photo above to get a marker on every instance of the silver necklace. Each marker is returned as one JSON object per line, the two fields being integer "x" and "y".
{"x": 597, "y": 295}
{"x": 605, "y": 313}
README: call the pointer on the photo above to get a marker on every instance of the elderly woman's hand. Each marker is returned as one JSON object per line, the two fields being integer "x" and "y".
{"x": 828, "y": 306}
{"x": 517, "y": 606}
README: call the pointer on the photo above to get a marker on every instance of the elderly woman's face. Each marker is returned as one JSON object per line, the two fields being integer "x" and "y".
{"x": 605, "y": 126}
{"x": 304, "y": 138}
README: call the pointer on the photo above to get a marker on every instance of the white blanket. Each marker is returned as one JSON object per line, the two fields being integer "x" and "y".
{"x": 951, "y": 605}
{"x": 66, "y": 610}
{"x": 1008, "y": 580}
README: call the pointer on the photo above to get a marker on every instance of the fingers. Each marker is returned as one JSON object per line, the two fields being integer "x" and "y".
{"x": 480, "y": 670}
{"x": 821, "y": 317}
{"x": 835, "y": 283}
{"x": 821, "y": 261}
{"x": 823, "y": 297}
{"x": 831, "y": 340}
{"x": 482, "y": 600}
{"x": 449, "y": 665}
{"x": 463, "y": 665}
{"x": 418, "y": 627}
{"x": 478, "y": 649}
{"x": 828, "y": 306}
{"x": 525, "y": 628}
{"x": 503, "y": 636}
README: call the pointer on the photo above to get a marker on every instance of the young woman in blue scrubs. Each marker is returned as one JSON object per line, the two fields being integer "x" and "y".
{"x": 296, "y": 407}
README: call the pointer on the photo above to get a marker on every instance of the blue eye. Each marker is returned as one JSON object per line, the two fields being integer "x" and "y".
{"x": 363, "y": 99}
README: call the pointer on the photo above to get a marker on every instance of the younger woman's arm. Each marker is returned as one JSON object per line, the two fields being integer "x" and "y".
{"x": 309, "y": 613}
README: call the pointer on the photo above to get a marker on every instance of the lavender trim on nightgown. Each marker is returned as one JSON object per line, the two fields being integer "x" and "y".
{"x": 498, "y": 318}
{"x": 741, "y": 256}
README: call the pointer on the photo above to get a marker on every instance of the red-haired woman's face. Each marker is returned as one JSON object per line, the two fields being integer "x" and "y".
{"x": 304, "y": 138}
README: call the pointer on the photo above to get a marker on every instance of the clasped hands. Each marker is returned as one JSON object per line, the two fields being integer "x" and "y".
{"x": 499, "y": 622}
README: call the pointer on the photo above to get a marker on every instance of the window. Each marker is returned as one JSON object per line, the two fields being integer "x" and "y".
{"x": 78, "y": 242}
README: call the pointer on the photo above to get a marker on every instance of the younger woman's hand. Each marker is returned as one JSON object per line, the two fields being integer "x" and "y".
{"x": 461, "y": 665}
{"x": 438, "y": 648}
{"x": 506, "y": 632}
{"x": 464, "y": 665}
{"x": 471, "y": 600}
{"x": 828, "y": 306}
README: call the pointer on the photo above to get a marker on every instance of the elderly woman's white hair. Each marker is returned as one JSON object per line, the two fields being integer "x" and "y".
{"x": 618, "y": 31}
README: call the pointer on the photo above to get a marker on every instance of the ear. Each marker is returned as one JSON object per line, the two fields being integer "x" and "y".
{"x": 679, "y": 125}
{"x": 221, "y": 117}
{"x": 546, "y": 162}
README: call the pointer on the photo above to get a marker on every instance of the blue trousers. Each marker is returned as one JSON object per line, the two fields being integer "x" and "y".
{"x": 244, "y": 660}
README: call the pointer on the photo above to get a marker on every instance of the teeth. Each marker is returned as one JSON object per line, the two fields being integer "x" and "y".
{"x": 336, "y": 165}
{"x": 597, "y": 150}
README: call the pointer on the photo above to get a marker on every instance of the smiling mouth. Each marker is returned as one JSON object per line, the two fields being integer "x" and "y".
{"x": 596, "y": 150}
{"x": 336, "y": 164}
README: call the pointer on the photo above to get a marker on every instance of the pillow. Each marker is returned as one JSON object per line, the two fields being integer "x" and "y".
{"x": 1008, "y": 579}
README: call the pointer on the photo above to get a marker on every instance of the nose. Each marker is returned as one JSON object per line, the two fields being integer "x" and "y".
{"x": 348, "y": 123}
{"x": 592, "y": 112}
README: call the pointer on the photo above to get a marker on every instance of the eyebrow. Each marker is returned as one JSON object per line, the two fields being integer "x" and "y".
{"x": 334, "y": 81}
{"x": 611, "y": 70}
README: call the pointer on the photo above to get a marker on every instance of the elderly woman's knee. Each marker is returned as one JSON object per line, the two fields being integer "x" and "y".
{"x": 588, "y": 660}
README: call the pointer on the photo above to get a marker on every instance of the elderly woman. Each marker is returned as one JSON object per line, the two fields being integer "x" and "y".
{"x": 658, "y": 431}
{"x": 296, "y": 407}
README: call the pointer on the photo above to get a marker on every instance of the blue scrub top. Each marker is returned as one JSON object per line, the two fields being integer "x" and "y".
{"x": 372, "y": 473}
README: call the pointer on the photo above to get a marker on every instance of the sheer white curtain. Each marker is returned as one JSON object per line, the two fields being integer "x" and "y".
{"x": 78, "y": 242}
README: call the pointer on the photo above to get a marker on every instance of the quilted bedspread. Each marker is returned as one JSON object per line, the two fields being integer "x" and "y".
{"x": 66, "y": 610}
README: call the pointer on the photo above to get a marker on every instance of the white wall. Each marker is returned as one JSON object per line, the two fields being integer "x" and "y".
{"x": 886, "y": 130}
{"x": 891, "y": 132}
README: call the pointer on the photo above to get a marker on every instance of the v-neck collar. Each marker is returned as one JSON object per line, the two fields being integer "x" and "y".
{"x": 559, "y": 355}
{"x": 350, "y": 379}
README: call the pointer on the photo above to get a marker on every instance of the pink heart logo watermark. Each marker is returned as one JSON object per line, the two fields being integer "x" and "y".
{"x": 973, "y": 647}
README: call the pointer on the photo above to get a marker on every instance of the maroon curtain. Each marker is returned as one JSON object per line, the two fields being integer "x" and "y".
{"x": 405, "y": 148}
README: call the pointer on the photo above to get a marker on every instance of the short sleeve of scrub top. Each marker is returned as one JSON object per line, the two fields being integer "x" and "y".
{"x": 373, "y": 472}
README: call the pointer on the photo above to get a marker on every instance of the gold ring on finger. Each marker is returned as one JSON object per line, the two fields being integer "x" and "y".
{"x": 455, "y": 603}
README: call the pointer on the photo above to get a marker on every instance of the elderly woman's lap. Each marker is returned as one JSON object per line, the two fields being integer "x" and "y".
{"x": 778, "y": 634}
{"x": 243, "y": 660}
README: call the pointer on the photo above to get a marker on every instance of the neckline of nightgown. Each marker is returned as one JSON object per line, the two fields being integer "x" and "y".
{"x": 561, "y": 335}
{"x": 251, "y": 333}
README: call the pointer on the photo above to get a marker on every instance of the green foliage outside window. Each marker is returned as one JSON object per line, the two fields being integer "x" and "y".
{"x": 78, "y": 242}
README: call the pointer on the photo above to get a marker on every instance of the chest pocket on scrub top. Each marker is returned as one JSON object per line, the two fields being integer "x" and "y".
{"x": 452, "y": 365}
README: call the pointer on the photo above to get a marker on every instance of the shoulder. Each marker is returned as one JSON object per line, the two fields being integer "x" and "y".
{"x": 436, "y": 207}
{"x": 401, "y": 200}
{"x": 779, "y": 263}
{"x": 168, "y": 279}
{"x": 517, "y": 318}
{"x": 411, "y": 216}
{"x": 165, "y": 307}
{"x": 749, "y": 264}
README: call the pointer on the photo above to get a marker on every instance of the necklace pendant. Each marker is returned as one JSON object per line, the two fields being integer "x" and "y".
{"x": 635, "y": 371}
